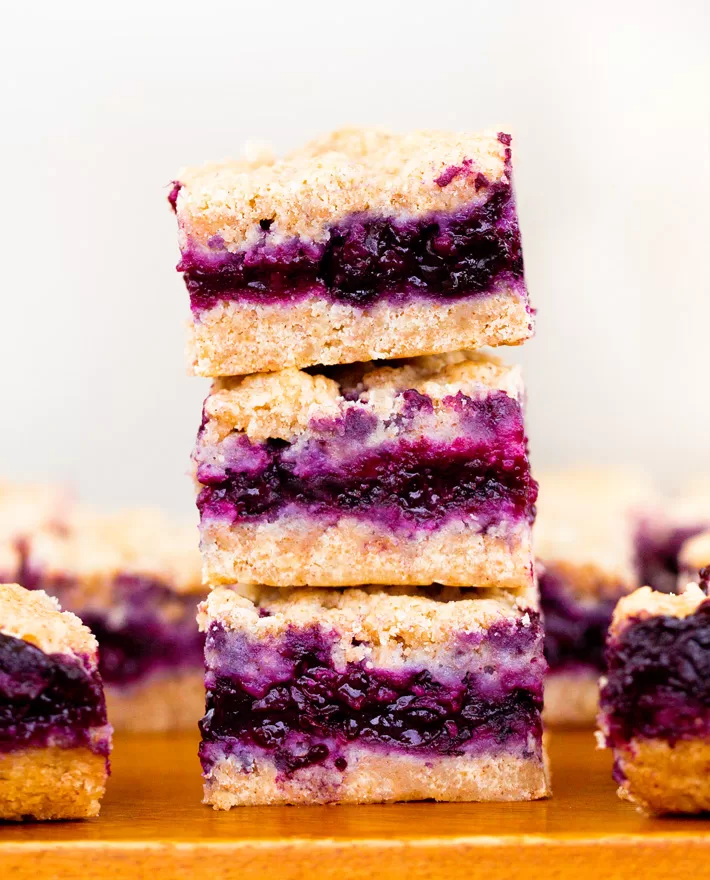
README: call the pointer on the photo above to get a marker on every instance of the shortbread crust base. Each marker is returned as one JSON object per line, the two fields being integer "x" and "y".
{"x": 662, "y": 778}
{"x": 571, "y": 699}
{"x": 51, "y": 783}
{"x": 301, "y": 551}
{"x": 164, "y": 703}
{"x": 236, "y": 338}
{"x": 381, "y": 778}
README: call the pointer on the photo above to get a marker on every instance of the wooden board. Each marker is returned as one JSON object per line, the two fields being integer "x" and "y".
{"x": 153, "y": 825}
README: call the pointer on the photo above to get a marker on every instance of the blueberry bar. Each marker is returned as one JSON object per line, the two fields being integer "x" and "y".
{"x": 371, "y": 694}
{"x": 133, "y": 578}
{"x": 584, "y": 542}
{"x": 655, "y": 701}
{"x": 54, "y": 737}
{"x": 363, "y": 245}
{"x": 662, "y": 531}
{"x": 375, "y": 474}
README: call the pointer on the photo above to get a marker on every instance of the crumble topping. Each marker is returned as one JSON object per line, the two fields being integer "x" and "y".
{"x": 645, "y": 602}
{"x": 280, "y": 405}
{"x": 35, "y": 617}
{"x": 410, "y": 617}
{"x": 351, "y": 171}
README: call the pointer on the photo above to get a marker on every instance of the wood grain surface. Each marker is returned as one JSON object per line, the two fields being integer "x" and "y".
{"x": 153, "y": 825}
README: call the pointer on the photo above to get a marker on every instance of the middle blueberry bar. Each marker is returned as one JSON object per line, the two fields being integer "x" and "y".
{"x": 412, "y": 472}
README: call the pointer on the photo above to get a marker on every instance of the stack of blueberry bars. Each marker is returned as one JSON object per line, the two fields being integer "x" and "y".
{"x": 373, "y": 629}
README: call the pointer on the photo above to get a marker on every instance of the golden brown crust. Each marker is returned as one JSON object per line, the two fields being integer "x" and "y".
{"x": 571, "y": 699}
{"x": 351, "y": 171}
{"x": 51, "y": 783}
{"x": 585, "y": 523}
{"x": 296, "y": 551}
{"x": 236, "y": 338}
{"x": 663, "y": 778}
{"x": 374, "y": 778}
{"x": 35, "y": 617}
{"x": 165, "y": 702}
{"x": 95, "y": 547}
{"x": 588, "y": 583}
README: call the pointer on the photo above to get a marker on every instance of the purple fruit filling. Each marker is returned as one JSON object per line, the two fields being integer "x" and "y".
{"x": 658, "y": 679}
{"x": 146, "y": 641}
{"x": 368, "y": 258}
{"x": 147, "y": 629}
{"x": 47, "y": 699}
{"x": 657, "y": 554}
{"x": 575, "y": 632}
{"x": 289, "y": 700}
{"x": 484, "y": 472}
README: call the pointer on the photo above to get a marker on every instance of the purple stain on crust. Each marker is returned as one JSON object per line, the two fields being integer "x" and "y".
{"x": 484, "y": 472}
{"x": 173, "y": 194}
{"x": 575, "y": 632}
{"x": 453, "y": 171}
{"x": 288, "y": 699}
{"x": 367, "y": 259}
{"x": 47, "y": 699}
{"x": 658, "y": 679}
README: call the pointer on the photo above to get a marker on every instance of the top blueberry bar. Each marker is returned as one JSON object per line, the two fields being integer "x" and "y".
{"x": 363, "y": 245}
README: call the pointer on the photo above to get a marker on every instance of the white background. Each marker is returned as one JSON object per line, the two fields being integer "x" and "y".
{"x": 102, "y": 104}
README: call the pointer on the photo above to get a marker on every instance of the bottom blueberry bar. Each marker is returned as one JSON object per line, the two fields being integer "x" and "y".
{"x": 655, "y": 699}
{"x": 134, "y": 579}
{"x": 372, "y": 694}
{"x": 54, "y": 738}
{"x": 584, "y": 538}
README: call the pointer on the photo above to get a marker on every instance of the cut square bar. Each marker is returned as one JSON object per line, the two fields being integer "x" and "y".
{"x": 134, "y": 578}
{"x": 584, "y": 542}
{"x": 655, "y": 701}
{"x": 54, "y": 738}
{"x": 363, "y": 245}
{"x": 414, "y": 473}
{"x": 371, "y": 695}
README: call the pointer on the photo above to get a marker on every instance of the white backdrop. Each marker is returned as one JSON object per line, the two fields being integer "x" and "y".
{"x": 101, "y": 105}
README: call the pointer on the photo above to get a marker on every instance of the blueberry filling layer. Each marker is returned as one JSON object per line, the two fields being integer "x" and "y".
{"x": 575, "y": 632}
{"x": 658, "y": 679}
{"x": 369, "y": 258}
{"x": 658, "y": 552}
{"x": 146, "y": 629}
{"x": 290, "y": 701}
{"x": 47, "y": 699}
{"x": 484, "y": 473}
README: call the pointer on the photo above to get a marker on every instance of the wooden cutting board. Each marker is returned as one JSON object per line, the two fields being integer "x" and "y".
{"x": 153, "y": 825}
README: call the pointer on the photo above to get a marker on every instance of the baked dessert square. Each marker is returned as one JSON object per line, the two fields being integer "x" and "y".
{"x": 584, "y": 543}
{"x": 371, "y": 695}
{"x": 54, "y": 737}
{"x": 664, "y": 528}
{"x": 134, "y": 578}
{"x": 363, "y": 245}
{"x": 655, "y": 700}
{"x": 411, "y": 473}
